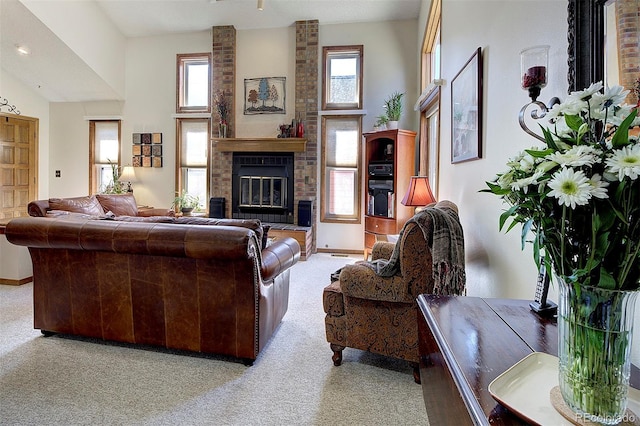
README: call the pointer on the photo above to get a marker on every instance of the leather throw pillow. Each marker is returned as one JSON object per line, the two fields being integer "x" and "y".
{"x": 87, "y": 205}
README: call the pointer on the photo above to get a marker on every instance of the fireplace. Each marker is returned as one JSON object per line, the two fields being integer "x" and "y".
{"x": 262, "y": 187}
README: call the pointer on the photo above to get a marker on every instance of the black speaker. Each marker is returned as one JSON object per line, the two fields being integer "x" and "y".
{"x": 381, "y": 202}
{"x": 217, "y": 207}
{"x": 304, "y": 212}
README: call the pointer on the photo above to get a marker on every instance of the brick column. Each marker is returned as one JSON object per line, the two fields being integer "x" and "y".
{"x": 628, "y": 23}
{"x": 306, "y": 108}
{"x": 223, "y": 66}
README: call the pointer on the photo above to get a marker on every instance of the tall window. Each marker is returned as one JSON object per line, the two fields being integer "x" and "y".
{"x": 192, "y": 158}
{"x": 430, "y": 98}
{"x": 193, "y": 82}
{"x": 341, "y": 134}
{"x": 342, "y": 77}
{"x": 340, "y": 188}
{"x": 104, "y": 154}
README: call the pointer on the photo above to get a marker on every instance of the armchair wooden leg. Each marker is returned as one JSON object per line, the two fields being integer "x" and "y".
{"x": 337, "y": 354}
{"x": 416, "y": 372}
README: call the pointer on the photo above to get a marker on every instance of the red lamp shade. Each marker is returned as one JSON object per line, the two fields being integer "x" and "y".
{"x": 419, "y": 192}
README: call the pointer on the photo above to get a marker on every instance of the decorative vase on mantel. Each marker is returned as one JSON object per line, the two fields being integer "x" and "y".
{"x": 595, "y": 329}
{"x": 222, "y": 130}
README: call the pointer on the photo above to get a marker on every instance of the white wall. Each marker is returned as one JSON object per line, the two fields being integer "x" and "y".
{"x": 90, "y": 34}
{"x": 495, "y": 265}
{"x": 390, "y": 65}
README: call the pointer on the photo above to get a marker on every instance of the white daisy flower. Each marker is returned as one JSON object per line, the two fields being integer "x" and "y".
{"x": 571, "y": 188}
{"x": 580, "y": 155}
{"x": 625, "y": 162}
{"x": 612, "y": 96}
{"x": 586, "y": 94}
{"x": 598, "y": 187}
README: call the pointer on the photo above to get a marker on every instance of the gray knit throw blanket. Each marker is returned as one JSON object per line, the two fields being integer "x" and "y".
{"x": 447, "y": 250}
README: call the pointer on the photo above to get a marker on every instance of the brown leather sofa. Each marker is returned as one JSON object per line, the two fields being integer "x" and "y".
{"x": 195, "y": 284}
{"x": 94, "y": 205}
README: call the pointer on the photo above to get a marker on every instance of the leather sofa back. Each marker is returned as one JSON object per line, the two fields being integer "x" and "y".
{"x": 183, "y": 286}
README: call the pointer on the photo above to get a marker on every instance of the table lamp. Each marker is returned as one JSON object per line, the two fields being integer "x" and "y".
{"x": 128, "y": 175}
{"x": 418, "y": 194}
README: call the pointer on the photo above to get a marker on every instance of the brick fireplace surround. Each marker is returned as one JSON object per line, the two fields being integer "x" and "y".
{"x": 306, "y": 107}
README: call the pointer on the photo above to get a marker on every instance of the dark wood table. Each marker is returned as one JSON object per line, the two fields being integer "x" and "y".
{"x": 465, "y": 343}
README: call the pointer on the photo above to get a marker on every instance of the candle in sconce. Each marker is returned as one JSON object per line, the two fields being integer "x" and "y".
{"x": 535, "y": 77}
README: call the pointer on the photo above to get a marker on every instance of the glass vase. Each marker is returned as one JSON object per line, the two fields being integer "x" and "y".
{"x": 595, "y": 328}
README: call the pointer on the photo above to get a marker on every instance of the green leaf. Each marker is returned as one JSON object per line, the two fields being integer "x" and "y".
{"x": 506, "y": 215}
{"x": 525, "y": 231}
{"x": 606, "y": 280}
{"x": 539, "y": 154}
{"x": 574, "y": 122}
{"x": 621, "y": 136}
{"x": 548, "y": 138}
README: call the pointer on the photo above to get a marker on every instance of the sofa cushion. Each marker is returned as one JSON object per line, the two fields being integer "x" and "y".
{"x": 87, "y": 205}
{"x": 119, "y": 204}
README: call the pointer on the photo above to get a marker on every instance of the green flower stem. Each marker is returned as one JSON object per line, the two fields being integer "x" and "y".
{"x": 595, "y": 329}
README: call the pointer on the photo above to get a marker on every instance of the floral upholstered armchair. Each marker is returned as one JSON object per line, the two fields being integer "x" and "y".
{"x": 372, "y": 306}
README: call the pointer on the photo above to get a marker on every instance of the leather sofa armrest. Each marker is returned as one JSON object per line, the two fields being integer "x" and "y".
{"x": 156, "y": 212}
{"x": 282, "y": 254}
{"x": 361, "y": 281}
{"x": 38, "y": 208}
{"x": 382, "y": 250}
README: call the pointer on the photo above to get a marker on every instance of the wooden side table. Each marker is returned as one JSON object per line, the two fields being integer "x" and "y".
{"x": 465, "y": 343}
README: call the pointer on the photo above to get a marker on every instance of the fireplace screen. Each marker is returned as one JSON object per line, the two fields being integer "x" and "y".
{"x": 263, "y": 192}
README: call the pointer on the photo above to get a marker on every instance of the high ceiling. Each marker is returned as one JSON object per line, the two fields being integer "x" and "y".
{"x": 60, "y": 75}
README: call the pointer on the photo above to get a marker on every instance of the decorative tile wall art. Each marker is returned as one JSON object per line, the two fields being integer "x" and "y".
{"x": 265, "y": 95}
{"x": 147, "y": 150}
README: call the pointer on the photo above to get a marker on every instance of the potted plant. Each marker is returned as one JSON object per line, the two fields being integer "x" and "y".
{"x": 393, "y": 109}
{"x": 114, "y": 187}
{"x": 381, "y": 123}
{"x": 185, "y": 202}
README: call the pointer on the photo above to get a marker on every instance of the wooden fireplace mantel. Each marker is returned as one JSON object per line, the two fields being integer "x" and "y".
{"x": 260, "y": 144}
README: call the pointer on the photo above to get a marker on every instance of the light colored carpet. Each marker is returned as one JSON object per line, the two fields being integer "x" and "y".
{"x": 61, "y": 380}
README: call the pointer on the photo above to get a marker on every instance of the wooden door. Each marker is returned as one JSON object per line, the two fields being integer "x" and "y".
{"x": 18, "y": 164}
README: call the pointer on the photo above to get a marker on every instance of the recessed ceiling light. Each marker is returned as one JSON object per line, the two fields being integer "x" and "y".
{"x": 23, "y": 50}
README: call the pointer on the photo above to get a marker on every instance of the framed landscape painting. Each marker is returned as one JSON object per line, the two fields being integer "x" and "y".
{"x": 265, "y": 95}
{"x": 466, "y": 111}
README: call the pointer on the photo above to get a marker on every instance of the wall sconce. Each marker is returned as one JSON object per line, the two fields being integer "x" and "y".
{"x": 128, "y": 175}
{"x": 534, "y": 65}
{"x": 260, "y": 4}
{"x": 418, "y": 194}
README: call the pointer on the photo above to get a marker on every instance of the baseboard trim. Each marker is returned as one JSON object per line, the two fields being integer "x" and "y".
{"x": 339, "y": 251}
{"x": 7, "y": 281}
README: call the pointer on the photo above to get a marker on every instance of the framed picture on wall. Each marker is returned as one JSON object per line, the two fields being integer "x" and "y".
{"x": 265, "y": 95}
{"x": 466, "y": 111}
